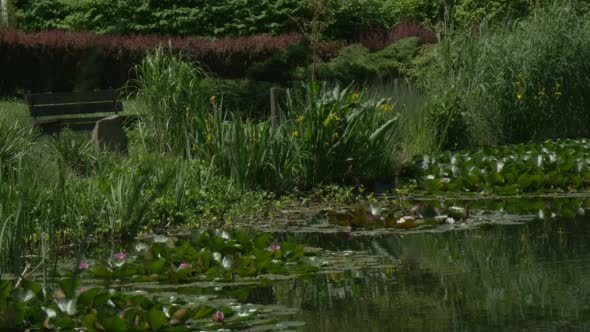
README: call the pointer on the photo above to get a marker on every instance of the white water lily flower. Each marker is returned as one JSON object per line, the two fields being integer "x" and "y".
{"x": 404, "y": 219}
{"x": 50, "y": 312}
{"x": 226, "y": 262}
{"x": 450, "y": 221}
{"x": 441, "y": 218}
{"x": 29, "y": 295}
{"x": 160, "y": 239}
{"x": 140, "y": 246}
{"x": 375, "y": 210}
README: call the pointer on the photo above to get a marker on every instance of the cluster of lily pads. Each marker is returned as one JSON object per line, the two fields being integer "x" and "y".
{"x": 70, "y": 307}
{"x": 551, "y": 166}
{"x": 208, "y": 254}
{"x": 420, "y": 216}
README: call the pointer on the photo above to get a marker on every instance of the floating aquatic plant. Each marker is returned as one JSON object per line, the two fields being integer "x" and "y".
{"x": 551, "y": 166}
{"x": 420, "y": 216}
{"x": 208, "y": 254}
{"x": 69, "y": 307}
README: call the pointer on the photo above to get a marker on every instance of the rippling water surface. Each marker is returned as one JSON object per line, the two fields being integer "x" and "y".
{"x": 527, "y": 276}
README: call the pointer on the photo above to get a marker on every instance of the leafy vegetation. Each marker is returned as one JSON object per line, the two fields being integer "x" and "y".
{"x": 345, "y": 18}
{"x": 326, "y": 133}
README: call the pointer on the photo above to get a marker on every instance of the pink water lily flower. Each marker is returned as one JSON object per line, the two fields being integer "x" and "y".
{"x": 84, "y": 265}
{"x": 81, "y": 290}
{"x": 274, "y": 247}
{"x": 120, "y": 256}
{"x": 219, "y": 317}
{"x": 184, "y": 265}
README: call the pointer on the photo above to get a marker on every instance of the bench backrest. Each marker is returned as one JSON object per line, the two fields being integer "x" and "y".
{"x": 71, "y": 103}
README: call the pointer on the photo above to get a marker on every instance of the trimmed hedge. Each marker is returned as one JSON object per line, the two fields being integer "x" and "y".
{"x": 66, "y": 61}
{"x": 69, "y": 61}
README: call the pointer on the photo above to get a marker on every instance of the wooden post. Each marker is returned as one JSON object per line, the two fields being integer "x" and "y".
{"x": 275, "y": 116}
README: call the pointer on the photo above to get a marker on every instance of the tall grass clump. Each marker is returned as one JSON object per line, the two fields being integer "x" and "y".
{"x": 15, "y": 143}
{"x": 517, "y": 82}
{"x": 173, "y": 95}
{"x": 415, "y": 132}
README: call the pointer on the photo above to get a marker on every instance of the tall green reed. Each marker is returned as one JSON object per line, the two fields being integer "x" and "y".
{"x": 517, "y": 82}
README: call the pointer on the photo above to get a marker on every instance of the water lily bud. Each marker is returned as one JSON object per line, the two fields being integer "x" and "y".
{"x": 120, "y": 256}
{"x": 274, "y": 247}
{"x": 219, "y": 317}
{"x": 184, "y": 265}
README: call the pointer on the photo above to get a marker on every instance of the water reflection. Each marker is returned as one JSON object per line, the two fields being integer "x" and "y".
{"x": 535, "y": 275}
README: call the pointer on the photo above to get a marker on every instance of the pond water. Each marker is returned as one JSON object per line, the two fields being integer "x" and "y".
{"x": 521, "y": 264}
{"x": 529, "y": 276}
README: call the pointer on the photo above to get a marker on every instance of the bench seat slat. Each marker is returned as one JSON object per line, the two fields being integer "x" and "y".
{"x": 70, "y": 109}
{"x": 71, "y": 97}
{"x": 91, "y": 119}
{"x": 79, "y": 124}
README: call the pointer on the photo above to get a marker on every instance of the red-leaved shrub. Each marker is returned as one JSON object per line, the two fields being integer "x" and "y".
{"x": 65, "y": 61}
{"x": 379, "y": 39}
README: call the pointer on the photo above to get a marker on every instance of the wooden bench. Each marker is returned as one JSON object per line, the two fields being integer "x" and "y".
{"x": 53, "y": 112}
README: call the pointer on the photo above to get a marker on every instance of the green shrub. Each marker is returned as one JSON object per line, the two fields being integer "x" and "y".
{"x": 425, "y": 11}
{"x": 42, "y": 14}
{"x": 202, "y": 18}
{"x": 250, "y": 98}
{"x": 280, "y": 67}
{"x": 356, "y": 64}
{"x": 347, "y": 18}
